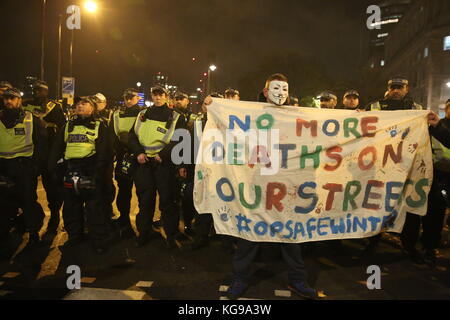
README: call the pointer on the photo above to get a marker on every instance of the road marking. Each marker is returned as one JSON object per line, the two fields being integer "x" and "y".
{"x": 144, "y": 284}
{"x": 11, "y": 275}
{"x": 283, "y": 293}
{"x": 243, "y": 299}
{"x": 87, "y": 280}
{"x": 223, "y": 288}
{"x": 104, "y": 294}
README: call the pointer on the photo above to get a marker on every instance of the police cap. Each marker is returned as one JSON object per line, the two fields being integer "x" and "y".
{"x": 327, "y": 95}
{"x": 12, "y": 92}
{"x": 158, "y": 90}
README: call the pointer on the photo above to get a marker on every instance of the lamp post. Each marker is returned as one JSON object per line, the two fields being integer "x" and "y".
{"x": 211, "y": 68}
{"x": 91, "y": 7}
{"x": 44, "y": 2}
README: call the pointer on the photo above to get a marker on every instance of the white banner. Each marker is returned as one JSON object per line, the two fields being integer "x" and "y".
{"x": 289, "y": 174}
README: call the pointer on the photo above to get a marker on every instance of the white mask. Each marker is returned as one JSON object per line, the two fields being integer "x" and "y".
{"x": 278, "y": 92}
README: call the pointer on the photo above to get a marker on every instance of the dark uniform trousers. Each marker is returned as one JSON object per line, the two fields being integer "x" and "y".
{"x": 247, "y": 251}
{"x": 187, "y": 204}
{"x": 124, "y": 195}
{"x": 89, "y": 202}
{"x": 53, "y": 191}
{"x": 23, "y": 174}
{"x": 432, "y": 222}
{"x": 150, "y": 178}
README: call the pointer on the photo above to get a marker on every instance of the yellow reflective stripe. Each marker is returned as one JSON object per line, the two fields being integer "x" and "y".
{"x": 116, "y": 122}
{"x": 28, "y": 122}
{"x": 171, "y": 130}
{"x": 375, "y": 106}
{"x": 23, "y": 150}
{"x": 138, "y": 124}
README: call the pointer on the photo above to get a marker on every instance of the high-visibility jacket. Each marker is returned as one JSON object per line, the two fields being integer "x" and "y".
{"x": 154, "y": 135}
{"x": 38, "y": 112}
{"x": 122, "y": 124}
{"x": 377, "y": 106}
{"x": 80, "y": 141}
{"x": 441, "y": 156}
{"x": 17, "y": 141}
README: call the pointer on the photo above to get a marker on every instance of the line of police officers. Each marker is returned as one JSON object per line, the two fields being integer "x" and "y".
{"x": 79, "y": 167}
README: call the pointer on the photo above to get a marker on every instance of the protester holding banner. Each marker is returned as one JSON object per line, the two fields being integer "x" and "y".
{"x": 395, "y": 98}
{"x": 276, "y": 92}
{"x": 440, "y": 129}
{"x": 433, "y": 223}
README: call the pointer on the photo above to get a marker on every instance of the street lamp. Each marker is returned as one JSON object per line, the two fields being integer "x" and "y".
{"x": 211, "y": 68}
{"x": 90, "y": 6}
{"x": 139, "y": 84}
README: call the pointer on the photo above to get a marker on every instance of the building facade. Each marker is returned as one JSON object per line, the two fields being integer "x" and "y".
{"x": 419, "y": 48}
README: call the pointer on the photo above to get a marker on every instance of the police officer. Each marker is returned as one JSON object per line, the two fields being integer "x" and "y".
{"x": 351, "y": 100}
{"x": 23, "y": 150}
{"x": 186, "y": 171}
{"x": 121, "y": 123}
{"x": 440, "y": 129}
{"x": 52, "y": 114}
{"x": 103, "y": 112}
{"x": 396, "y": 98}
{"x": 150, "y": 142}
{"x": 328, "y": 100}
{"x": 232, "y": 94}
{"x": 4, "y": 85}
{"x": 433, "y": 222}
{"x": 85, "y": 146}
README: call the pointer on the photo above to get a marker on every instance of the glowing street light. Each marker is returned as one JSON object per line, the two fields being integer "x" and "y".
{"x": 90, "y": 6}
{"x": 211, "y": 68}
{"x": 448, "y": 84}
{"x": 139, "y": 84}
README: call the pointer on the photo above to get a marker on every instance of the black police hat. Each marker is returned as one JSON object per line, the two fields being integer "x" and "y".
{"x": 40, "y": 84}
{"x": 327, "y": 95}
{"x": 398, "y": 80}
{"x": 12, "y": 92}
{"x": 5, "y": 84}
{"x": 351, "y": 93}
{"x": 231, "y": 92}
{"x": 131, "y": 92}
{"x": 181, "y": 95}
{"x": 159, "y": 90}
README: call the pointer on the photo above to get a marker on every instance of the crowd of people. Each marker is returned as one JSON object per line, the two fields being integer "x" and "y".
{"x": 79, "y": 153}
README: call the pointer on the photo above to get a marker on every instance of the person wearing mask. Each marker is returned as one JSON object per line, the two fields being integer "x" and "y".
{"x": 23, "y": 150}
{"x": 84, "y": 145}
{"x": 276, "y": 92}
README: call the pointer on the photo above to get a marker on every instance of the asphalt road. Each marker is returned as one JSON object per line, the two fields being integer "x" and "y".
{"x": 154, "y": 272}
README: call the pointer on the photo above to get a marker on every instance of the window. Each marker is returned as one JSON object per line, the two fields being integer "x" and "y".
{"x": 426, "y": 51}
{"x": 382, "y": 63}
{"x": 447, "y": 43}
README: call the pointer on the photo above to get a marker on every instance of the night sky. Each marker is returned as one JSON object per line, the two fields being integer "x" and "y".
{"x": 318, "y": 44}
